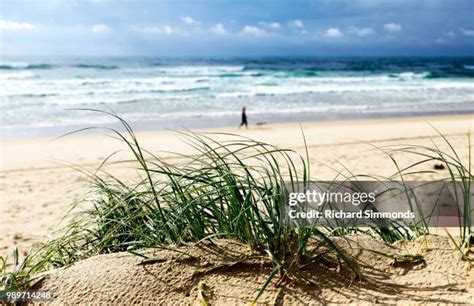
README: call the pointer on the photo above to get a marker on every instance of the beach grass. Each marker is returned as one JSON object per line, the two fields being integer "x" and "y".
{"x": 230, "y": 189}
{"x": 459, "y": 176}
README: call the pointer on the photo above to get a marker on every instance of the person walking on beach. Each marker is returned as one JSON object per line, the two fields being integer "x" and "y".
{"x": 244, "y": 119}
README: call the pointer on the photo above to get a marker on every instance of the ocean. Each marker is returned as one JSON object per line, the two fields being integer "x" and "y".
{"x": 41, "y": 96}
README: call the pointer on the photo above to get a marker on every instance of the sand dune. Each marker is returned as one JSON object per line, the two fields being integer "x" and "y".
{"x": 228, "y": 274}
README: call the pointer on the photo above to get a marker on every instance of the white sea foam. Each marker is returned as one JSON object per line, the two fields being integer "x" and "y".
{"x": 39, "y": 98}
{"x": 14, "y": 65}
{"x": 20, "y": 75}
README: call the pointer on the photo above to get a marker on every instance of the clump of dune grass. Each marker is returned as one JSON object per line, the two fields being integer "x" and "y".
{"x": 459, "y": 175}
{"x": 229, "y": 189}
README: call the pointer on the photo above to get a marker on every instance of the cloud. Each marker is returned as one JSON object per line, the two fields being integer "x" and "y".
{"x": 361, "y": 31}
{"x": 333, "y": 32}
{"x": 189, "y": 20}
{"x": 392, "y": 27}
{"x": 466, "y": 32}
{"x": 271, "y": 25}
{"x": 165, "y": 29}
{"x": 450, "y": 34}
{"x": 219, "y": 29}
{"x": 101, "y": 28}
{"x": 297, "y": 23}
{"x": 7, "y": 25}
{"x": 98, "y": 1}
{"x": 255, "y": 31}
{"x": 446, "y": 37}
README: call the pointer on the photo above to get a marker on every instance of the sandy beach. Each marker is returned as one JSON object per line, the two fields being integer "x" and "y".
{"x": 38, "y": 179}
{"x": 238, "y": 152}
{"x": 41, "y": 178}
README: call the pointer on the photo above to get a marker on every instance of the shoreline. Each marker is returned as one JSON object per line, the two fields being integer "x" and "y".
{"x": 253, "y": 124}
{"x": 343, "y": 131}
{"x": 331, "y": 132}
{"x": 202, "y": 123}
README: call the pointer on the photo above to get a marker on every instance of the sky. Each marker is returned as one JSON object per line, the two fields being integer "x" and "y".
{"x": 237, "y": 28}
